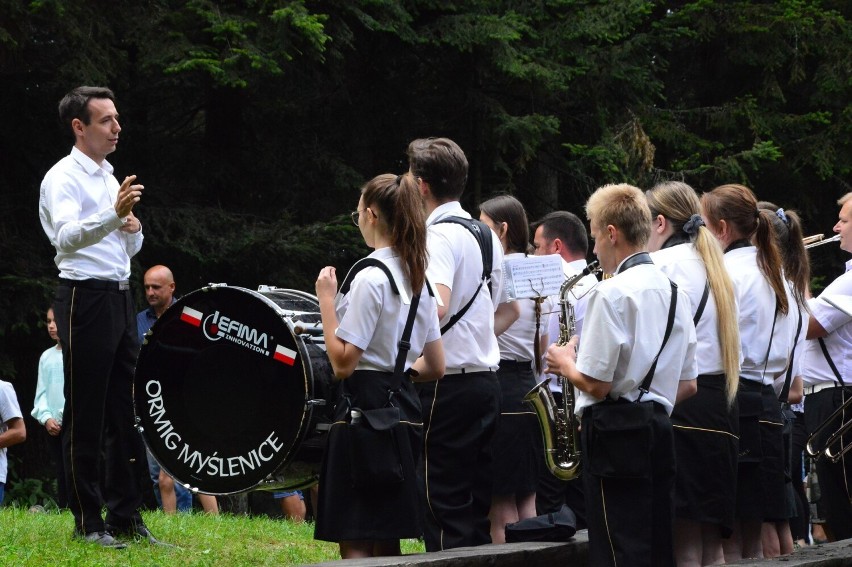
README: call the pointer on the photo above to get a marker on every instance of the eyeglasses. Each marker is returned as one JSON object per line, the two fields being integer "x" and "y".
{"x": 355, "y": 215}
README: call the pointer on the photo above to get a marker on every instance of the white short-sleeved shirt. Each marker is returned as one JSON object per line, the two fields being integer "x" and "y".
{"x": 838, "y": 342}
{"x": 625, "y": 323}
{"x": 518, "y": 341}
{"x": 800, "y": 345}
{"x": 372, "y": 317}
{"x": 77, "y": 211}
{"x": 682, "y": 264}
{"x": 756, "y": 302}
{"x": 9, "y": 409}
{"x": 455, "y": 261}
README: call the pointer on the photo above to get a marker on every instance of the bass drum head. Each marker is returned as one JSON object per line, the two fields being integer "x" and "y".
{"x": 221, "y": 389}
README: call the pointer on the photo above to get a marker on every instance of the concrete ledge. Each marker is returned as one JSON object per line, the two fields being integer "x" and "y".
{"x": 837, "y": 554}
{"x": 575, "y": 553}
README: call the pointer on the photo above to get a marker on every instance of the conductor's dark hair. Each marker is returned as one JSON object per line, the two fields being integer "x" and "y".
{"x": 75, "y": 104}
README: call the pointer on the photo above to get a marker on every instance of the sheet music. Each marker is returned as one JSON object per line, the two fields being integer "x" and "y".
{"x": 533, "y": 276}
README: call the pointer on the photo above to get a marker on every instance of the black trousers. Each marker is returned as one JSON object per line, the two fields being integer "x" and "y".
{"x": 800, "y": 525}
{"x": 630, "y": 519}
{"x": 97, "y": 331}
{"x": 833, "y": 484}
{"x": 460, "y": 414}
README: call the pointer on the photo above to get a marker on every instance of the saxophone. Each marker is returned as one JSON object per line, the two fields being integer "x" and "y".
{"x": 559, "y": 427}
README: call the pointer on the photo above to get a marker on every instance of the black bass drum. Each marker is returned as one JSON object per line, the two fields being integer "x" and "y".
{"x": 233, "y": 389}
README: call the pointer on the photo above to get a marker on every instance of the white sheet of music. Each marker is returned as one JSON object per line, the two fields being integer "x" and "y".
{"x": 533, "y": 276}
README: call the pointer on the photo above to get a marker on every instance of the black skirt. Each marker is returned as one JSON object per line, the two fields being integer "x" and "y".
{"x": 761, "y": 490}
{"x": 706, "y": 443}
{"x": 517, "y": 446}
{"x": 384, "y": 512}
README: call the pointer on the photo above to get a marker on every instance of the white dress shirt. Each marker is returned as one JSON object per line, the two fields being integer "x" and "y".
{"x": 77, "y": 211}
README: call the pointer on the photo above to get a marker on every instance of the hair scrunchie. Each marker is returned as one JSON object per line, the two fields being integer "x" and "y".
{"x": 693, "y": 224}
{"x": 783, "y": 216}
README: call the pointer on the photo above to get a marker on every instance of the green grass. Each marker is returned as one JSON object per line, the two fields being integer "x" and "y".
{"x": 44, "y": 539}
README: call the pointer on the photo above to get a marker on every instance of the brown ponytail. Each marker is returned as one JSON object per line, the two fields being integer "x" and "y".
{"x": 401, "y": 209}
{"x": 737, "y": 206}
{"x": 790, "y": 234}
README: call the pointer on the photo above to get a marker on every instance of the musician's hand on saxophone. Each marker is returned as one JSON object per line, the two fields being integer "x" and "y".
{"x": 560, "y": 359}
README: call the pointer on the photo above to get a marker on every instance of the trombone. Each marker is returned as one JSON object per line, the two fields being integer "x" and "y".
{"x": 818, "y": 240}
{"x": 828, "y": 449}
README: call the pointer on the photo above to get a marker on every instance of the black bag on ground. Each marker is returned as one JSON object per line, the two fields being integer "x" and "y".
{"x": 557, "y": 526}
{"x": 374, "y": 457}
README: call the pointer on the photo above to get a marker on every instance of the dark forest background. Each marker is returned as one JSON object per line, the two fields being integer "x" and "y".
{"x": 253, "y": 123}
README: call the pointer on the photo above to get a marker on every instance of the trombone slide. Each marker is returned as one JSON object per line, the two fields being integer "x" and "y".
{"x": 828, "y": 449}
{"x": 820, "y": 241}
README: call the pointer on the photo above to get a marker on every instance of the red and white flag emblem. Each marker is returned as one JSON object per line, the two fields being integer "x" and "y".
{"x": 285, "y": 355}
{"x": 191, "y": 316}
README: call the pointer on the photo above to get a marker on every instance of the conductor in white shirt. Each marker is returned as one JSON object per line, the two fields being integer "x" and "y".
{"x": 88, "y": 218}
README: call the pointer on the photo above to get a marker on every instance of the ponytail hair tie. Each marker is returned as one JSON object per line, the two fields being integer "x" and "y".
{"x": 693, "y": 224}
{"x": 398, "y": 179}
{"x": 781, "y": 215}
{"x": 757, "y": 213}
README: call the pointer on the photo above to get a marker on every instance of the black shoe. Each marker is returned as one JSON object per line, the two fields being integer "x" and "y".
{"x": 136, "y": 532}
{"x": 104, "y": 539}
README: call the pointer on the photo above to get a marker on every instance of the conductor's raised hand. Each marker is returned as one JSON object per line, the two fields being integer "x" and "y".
{"x": 326, "y": 285}
{"x": 128, "y": 195}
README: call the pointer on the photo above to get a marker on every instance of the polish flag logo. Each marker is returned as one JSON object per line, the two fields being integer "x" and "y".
{"x": 285, "y": 355}
{"x": 191, "y": 316}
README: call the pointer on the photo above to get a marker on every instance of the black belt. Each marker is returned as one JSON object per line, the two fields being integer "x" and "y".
{"x": 102, "y": 285}
{"x": 525, "y": 364}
